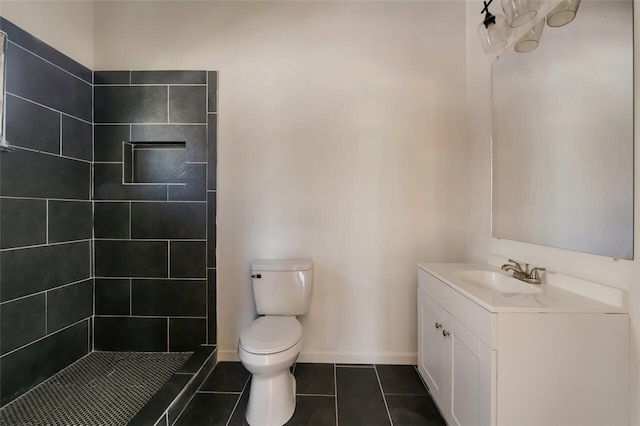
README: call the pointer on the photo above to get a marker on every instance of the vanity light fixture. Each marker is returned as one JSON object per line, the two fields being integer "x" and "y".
{"x": 530, "y": 40}
{"x": 519, "y": 12}
{"x": 493, "y": 31}
{"x": 563, "y": 14}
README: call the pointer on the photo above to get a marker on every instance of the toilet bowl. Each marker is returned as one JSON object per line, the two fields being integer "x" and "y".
{"x": 270, "y": 345}
{"x": 268, "y": 348}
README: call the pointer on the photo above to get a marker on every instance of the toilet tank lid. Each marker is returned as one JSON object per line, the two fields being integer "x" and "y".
{"x": 281, "y": 264}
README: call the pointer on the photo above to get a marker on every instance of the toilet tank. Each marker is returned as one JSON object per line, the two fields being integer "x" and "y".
{"x": 282, "y": 286}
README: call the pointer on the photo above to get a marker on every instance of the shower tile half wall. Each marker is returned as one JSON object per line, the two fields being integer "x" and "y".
{"x": 66, "y": 217}
{"x": 154, "y": 241}
{"x": 46, "y": 280}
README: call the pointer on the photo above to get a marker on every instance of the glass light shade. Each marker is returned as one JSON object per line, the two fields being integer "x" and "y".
{"x": 519, "y": 12}
{"x": 563, "y": 13}
{"x": 530, "y": 40}
{"x": 494, "y": 37}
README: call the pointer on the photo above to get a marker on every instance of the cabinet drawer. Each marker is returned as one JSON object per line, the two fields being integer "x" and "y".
{"x": 478, "y": 320}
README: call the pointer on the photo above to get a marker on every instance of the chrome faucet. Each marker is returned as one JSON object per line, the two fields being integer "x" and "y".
{"x": 526, "y": 275}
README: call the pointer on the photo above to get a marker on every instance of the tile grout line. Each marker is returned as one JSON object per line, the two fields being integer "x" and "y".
{"x": 47, "y": 243}
{"x": 384, "y": 399}
{"x": 335, "y": 389}
{"x": 44, "y": 291}
{"x": 61, "y": 135}
{"x": 43, "y": 337}
{"x": 206, "y": 207}
{"x": 53, "y": 154}
{"x": 46, "y": 224}
{"x": 238, "y": 401}
{"x": 50, "y": 63}
{"x": 48, "y": 107}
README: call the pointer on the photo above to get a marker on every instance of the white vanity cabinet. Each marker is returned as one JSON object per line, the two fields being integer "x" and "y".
{"x": 511, "y": 365}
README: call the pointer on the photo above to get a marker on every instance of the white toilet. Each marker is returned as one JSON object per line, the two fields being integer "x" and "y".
{"x": 270, "y": 345}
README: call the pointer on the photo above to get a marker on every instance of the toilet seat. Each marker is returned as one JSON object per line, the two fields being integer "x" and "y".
{"x": 271, "y": 334}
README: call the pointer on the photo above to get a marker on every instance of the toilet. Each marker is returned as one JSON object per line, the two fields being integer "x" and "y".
{"x": 270, "y": 345}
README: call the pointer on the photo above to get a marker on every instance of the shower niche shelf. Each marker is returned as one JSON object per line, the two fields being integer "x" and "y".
{"x": 154, "y": 163}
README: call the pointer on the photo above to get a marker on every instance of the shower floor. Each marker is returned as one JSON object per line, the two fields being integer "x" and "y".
{"x": 103, "y": 388}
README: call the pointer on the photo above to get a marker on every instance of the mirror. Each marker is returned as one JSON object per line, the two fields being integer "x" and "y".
{"x": 563, "y": 136}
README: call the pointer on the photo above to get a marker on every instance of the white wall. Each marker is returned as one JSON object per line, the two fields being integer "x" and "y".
{"x": 65, "y": 25}
{"x": 341, "y": 138}
{"x": 620, "y": 274}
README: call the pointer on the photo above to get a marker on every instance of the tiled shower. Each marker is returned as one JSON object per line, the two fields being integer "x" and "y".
{"x": 107, "y": 212}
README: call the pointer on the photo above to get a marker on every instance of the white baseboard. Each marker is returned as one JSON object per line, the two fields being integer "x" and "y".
{"x": 397, "y": 358}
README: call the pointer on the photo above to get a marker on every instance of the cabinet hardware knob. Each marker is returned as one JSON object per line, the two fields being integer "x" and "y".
{"x": 438, "y": 325}
{"x": 445, "y": 333}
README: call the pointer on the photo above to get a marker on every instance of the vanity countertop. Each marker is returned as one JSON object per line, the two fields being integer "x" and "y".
{"x": 569, "y": 295}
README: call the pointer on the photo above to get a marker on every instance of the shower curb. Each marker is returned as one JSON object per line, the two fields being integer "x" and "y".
{"x": 168, "y": 403}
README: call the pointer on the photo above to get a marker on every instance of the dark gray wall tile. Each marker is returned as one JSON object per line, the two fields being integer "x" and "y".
{"x": 183, "y": 298}
{"x": 29, "y": 366}
{"x": 130, "y": 104}
{"x": 32, "y": 126}
{"x": 187, "y": 104}
{"x": 112, "y": 296}
{"x": 111, "y": 77}
{"x": 195, "y": 188}
{"x": 108, "y": 186}
{"x": 36, "y": 175}
{"x": 127, "y": 163}
{"x": 212, "y": 327}
{"x": 211, "y": 229}
{"x": 32, "y": 78}
{"x": 212, "y": 86}
{"x": 111, "y": 220}
{"x": 158, "y": 164}
{"x": 186, "y": 334}
{"x": 70, "y": 220}
{"x": 131, "y": 259}
{"x": 69, "y": 304}
{"x": 168, "y": 77}
{"x": 174, "y": 220}
{"x": 108, "y": 141}
{"x": 22, "y": 222}
{"x": 194, "y": 135}
{"x": 130, "y": 334}
{"x": 77, "y": 138}
{"x": 212, "y": 151}
{"x": 188, "y": 259}
{"x": 21, "y": 321}
{"x": 30, "y": 270}
{"x": 40, "y": 48}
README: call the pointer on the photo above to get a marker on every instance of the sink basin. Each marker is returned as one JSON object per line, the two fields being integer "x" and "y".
{"x": 496, "y": 281}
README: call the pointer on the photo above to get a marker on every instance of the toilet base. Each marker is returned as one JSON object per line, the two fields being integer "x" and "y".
{"x": 272, "y": 400}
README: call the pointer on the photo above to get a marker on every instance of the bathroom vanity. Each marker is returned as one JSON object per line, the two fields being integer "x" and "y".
{"x": 497, "y": 351}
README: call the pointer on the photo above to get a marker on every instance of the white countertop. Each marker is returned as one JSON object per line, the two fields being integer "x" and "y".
{"x": 571, "y": 296}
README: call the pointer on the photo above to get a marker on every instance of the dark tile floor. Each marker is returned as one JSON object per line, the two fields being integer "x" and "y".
{"x": 327, "y": 394}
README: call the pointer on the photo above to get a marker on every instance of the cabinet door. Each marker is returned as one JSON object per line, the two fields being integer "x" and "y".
{"x": 469, "y": 396}
{"x": 431, "y": 348}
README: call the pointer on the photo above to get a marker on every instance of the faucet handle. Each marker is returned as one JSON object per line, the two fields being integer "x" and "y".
{"x": 517, "y": 265}
{"x": 534, "y": 273}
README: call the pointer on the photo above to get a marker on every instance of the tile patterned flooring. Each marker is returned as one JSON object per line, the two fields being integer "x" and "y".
{"x": 327, "y": 394}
